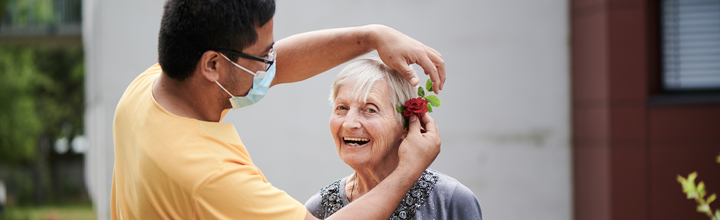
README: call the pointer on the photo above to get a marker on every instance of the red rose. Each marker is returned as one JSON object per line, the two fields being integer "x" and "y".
{"x": 407, "y": 113}
{"x": 416, "y": 106}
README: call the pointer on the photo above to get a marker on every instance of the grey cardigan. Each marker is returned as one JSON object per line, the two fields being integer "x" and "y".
{"x": 434, "y": 196}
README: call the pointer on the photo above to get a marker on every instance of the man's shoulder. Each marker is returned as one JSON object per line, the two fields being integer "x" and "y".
{"x": 144, "y": 80}
{"x": 137, "y": 95}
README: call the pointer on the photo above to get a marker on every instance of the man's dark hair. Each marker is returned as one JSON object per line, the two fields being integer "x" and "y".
{"x": 191, "y": 27}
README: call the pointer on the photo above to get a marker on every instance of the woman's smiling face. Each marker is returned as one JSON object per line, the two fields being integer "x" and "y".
{"x": 365, "y": 133}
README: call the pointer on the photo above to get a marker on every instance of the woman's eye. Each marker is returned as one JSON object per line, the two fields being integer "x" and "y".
{"x": 342, "y": 108}
{"x": 371, "y": 110}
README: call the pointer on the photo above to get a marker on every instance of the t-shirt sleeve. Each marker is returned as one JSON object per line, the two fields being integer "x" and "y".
{"x": 241, "y": 193}
{"x": 464, "y": 205}
{"x": 314, "y": 205}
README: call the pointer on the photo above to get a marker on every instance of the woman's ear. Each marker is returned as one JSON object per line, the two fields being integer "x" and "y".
{"x": 209, "y": 65}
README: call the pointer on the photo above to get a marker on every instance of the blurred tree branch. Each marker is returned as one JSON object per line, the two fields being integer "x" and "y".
{"x": 698, "y": 193}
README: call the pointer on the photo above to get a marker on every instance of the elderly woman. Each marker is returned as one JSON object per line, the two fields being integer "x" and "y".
{"x": 368, "y": 131}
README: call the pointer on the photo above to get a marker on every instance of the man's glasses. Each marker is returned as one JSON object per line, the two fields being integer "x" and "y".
{"x": 268, "y": 61}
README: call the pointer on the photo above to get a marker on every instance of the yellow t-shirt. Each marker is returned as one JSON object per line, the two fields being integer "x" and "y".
{"x": 171, "y": 167}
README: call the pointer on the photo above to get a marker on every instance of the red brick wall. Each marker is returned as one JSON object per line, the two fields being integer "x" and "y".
{"x": 626, "y": 152}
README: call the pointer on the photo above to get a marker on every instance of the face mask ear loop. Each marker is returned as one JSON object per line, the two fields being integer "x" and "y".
{"x": 237, "y": 65}
{"x": 223, "y": 88}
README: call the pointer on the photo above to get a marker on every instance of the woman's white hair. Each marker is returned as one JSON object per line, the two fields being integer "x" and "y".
{"x": 363, "y": 74}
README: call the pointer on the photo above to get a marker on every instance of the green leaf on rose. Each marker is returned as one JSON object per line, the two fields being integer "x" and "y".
{"x": 400, "y": 109}
{"x": 433, "y": 100}
{"x": 429, "y": 107}
{"x": 429, "y": 85}
{"x": 421, "y": 92}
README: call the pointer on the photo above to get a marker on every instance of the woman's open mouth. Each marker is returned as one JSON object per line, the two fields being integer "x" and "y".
{"x": 355, "y": 141}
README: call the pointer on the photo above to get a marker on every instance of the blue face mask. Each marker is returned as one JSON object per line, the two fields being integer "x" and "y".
{"x": 261, "y": 83}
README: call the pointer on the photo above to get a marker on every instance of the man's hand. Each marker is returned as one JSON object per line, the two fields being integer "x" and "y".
{"x": 419, "y": 149}
{"x": 398, "y": 51}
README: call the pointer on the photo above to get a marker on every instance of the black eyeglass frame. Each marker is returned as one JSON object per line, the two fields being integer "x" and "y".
{"x": 248, "y": 56}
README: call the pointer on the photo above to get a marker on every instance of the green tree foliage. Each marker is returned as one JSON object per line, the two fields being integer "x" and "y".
{"x": 60, "y": 96}
{"x": 29, "y": 13}
{"x": 41, "y": 91}
{"x": 41, "y": 100}
{"x": 20, "y": 124}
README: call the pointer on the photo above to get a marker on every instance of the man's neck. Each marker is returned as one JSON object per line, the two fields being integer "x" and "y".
{"x": 186, "y": 98}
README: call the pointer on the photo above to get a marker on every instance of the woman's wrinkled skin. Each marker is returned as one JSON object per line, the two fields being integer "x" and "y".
{"x": 367, "y": 135}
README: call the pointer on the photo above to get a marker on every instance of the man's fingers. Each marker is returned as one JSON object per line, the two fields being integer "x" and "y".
{"x": 430, "y": 126}
{"x": 431, "y": 132}
{"x": 407, "y": 72}
{"x": 435, "y": 51}
{"x": 414, "y": 127}
{"x": 403, "y": 67}
{"x": 441, "y": 74}
{"x": 430, "y": 70}
{"x": 439, "y": 63}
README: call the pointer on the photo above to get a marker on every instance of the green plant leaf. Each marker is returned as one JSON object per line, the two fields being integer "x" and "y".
{"x": 711, "y": 198}
{"x": 421, "y": 92}
{"x": 680, "y": 179}
{"x": 690, "y": 188}
{"x": 704, "y": 208}
{"x": 701, "y": 189}
{"x": 687, "y": 186}
{"x": 429, "y": 107}
{"x": 717, "y": 215}
{"x": 400, "y": 109}
{"x": 429, "y": 85}
{"x": 434, "y": 100}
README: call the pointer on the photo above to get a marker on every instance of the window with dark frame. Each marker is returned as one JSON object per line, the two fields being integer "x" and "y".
{"x": 691, "y": 45}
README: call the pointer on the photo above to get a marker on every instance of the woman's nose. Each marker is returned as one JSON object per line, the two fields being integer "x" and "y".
{"x": 351, "y": 120}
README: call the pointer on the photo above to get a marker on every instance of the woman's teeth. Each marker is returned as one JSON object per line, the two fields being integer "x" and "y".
{"x": 356, "y": 141}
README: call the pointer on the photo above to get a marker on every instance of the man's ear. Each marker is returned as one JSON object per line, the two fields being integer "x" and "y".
{"x": 209, "y": 65}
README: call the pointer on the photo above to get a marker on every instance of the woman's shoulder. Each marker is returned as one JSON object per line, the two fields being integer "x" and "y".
{"x": 457, "y": 200}
{"x": 328, "y": 200}
{"x": 332, "y": 188}
{"x": 447, "y": 183}
{"x": 450, "y": 186}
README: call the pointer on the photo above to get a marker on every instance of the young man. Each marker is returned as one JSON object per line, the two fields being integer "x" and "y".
{"x": 174, "y": 160}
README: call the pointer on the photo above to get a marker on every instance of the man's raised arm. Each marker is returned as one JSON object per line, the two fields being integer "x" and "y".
{"x": 305, "y": 55}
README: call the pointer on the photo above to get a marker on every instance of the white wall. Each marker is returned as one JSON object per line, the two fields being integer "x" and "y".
{"x": 504, "y": 122}
{"x": 120, "y": 39}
